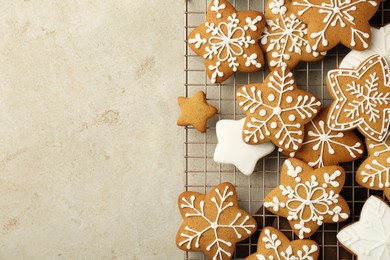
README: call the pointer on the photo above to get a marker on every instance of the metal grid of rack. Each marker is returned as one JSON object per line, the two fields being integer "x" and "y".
{"x": 202, "y": 173}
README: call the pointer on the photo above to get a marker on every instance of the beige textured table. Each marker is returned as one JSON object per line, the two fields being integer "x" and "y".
{"x": 90, "y": 154}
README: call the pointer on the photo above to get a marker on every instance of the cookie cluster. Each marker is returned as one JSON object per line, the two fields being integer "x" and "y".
{"x": 315, "y": 139}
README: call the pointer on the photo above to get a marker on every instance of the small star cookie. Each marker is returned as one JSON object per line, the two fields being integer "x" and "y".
{"x": 213, "y": 223}
{"x": 307, "y": 197}
{"x": 195, "y": 111}
{"x": 285, "y": 38}
{"x": 273, "y": 244}
{"x": 322, "y": 146}
{"x": 331, "y": 22}
{"x": 277, "y": 110}
{"x": 374, "y": 172}
{"x": 228, "y": 41}
{"x": 362, "y": 98}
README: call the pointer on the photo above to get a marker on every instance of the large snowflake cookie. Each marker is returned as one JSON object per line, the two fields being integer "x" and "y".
{"x": 277, "y": 110}
{"x": 228, "y": 40}
{"x": 285, "y": 38}
{"x": 374, "y": 172}
{"x": 336, "y": 21}
{"x": 380, "y": 44}
{"x": 231, "y": 149}
{"x": 362, "y": 98}
{"x": 273, "y": 244}
{"x": 369, "y": 238}
{"x": 307, "y": 197}
{"x": 323, "y": 146}
{"x": 213, "y": 223}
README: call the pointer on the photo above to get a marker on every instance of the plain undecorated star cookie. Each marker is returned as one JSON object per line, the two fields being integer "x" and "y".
{"x": 273, "y": 245}
{"x": 285, "y": 38}
{"x": 369, "y": 238}
{"x": 374, "y": 172}
{"x": 228, "y": 41}
{"x": 380, "y": 45}
{"x": 362, "y": 98}
{"x": 323, "y": 146}
{"x": 331, "y": 22}
{"x": 277, "y": 110}
{"x": 195, "y": 111}
{"x": 231, "y": 149}
{"x": 307, "y": 197}
{"x": 213, "y": 223}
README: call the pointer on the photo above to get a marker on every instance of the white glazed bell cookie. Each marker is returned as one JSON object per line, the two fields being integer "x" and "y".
{"x": 285, "y": 38}
{"x": 307, "y": 197}
{"x": 331, "y": 22}
{"x": 273, "y": 244}
{"x": 369, "y": 238}
{"x": 277, "y": 110}
{"x": 231, "y": 149}
{"x": 228, "y": 41}
{"x": 380, "y": 44}
{"x": 361, "y": 98}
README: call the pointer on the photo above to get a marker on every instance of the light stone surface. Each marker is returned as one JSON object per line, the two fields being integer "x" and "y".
{"x": 90, "y": 155}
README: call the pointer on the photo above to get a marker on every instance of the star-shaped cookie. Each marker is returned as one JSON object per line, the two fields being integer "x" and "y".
{"x": 323, "y": 146}
{"x": 369, "y": 238}
{"x": 285, "y": 39}
{"x": 228, "y": 40}
{"x": 362, "y": 98}
{"x": 374, "y": 172}
{"x": 277, "y": 110}
{"x": 307, "y": 197}
{"x": 333, "y": 21}
{"x": 231, "y": 149}
{"x": 213, "y": 223}
{"x": 195, "y": 111}
{"x": 273, "y": 244}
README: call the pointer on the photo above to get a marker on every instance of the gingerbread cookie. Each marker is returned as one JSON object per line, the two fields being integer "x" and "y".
{"x": 213, "y": 223}
{"x": 369, "y": 237}
{"x": 374, "y": 172}
{"x": 277, "y": 110}
{"x": 331, "y": 22}
{"x": 362, "y": 98}
{"x": 228, "y": 41}
{"x": 195, "y": 111}
{"x": 273, "y": 244}
{"x": 285, "y": 38}
{"x": 307, "y": 197}
{"x": 322, "y": 146}
{"x": 380, "y": 44}
{"x": 231, "y": 149}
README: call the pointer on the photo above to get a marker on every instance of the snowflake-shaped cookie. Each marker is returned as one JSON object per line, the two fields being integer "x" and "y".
{"x": 213, "y": 223}
{"x": 374, "y": 172}
{"x": 322, "y": 146}
{"x": 308, "y": 197}
{"x": 337, "y": 21}
{"x": 274, "y": 245}
{"x": 369, "y": 238}
{"x": 285, "y": 38}
{"x": 228, "y": 41}
{"x": 277, "y": 110}
{"x": 362, "y": 98}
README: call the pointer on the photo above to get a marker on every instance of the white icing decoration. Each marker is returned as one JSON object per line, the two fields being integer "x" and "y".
{"x": 216, "y": 73}
{"x": 192, "y": 236}
{"x": 290, "y": 134}
{"x": 252, "y": 23}
{"x": 216, "y": 7}
{"x": 231, "y": 149}
{"x": 198, "y": 41}
{"x": 285, "y": 30}
{"x": 369, "y": 238}
{"x": 367, "y": 98}
{"x": 337, "y": 14}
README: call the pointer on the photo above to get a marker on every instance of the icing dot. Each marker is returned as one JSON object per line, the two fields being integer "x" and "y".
{"x": 263, "y": 112}
{"x": 274, "y": 125}
{"x": 277, "y": 110}
{"x": 214, "y": 225}
{"x": 271, "y": 97}
{"x": 291, "y": 117}
{"x": 289, "y": 99}
{"x": 324, "y": 138}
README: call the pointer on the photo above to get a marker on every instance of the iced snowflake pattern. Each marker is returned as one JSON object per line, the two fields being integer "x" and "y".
{"x": 337, "y": 13}
{"x": 278, "y": 106}
{"x": 195, "y": 211}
